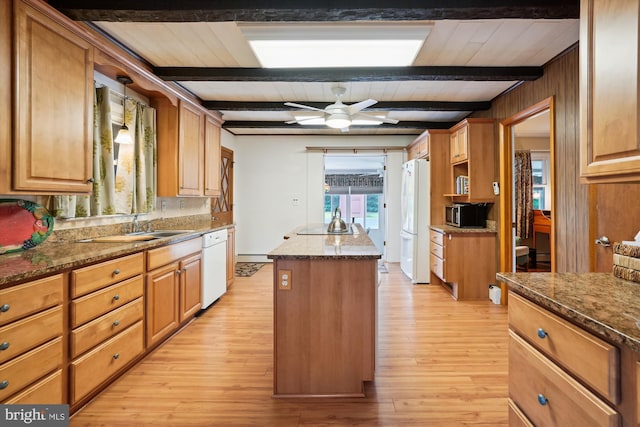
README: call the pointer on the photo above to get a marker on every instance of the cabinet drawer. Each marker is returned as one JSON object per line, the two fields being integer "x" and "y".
{"x": 47, "y": 391}
{"x": 98, "y": 303}
{"x": 584, "y": 355}
{"x": 23, "y": 335}
{"x": 166, "y": 254}
{"x": 516, "y": 417}
{"x": 437, "y": 250}
{"x": 25, "y": 369}
{"x": 22, "y": 300}
{"x": 437, "y": 266}
{"x": 547, "y": 395}
{"x": 93, "y": 333}
{"x": 89, "y": 279}
{"x": 437, "y": 238}
{"x": 90, "y": 370}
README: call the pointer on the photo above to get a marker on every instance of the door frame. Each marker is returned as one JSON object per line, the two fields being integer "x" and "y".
{"x": 506, "y": 179}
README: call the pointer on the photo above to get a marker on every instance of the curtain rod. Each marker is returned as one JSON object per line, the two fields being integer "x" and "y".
{"x": 355, "y": 149}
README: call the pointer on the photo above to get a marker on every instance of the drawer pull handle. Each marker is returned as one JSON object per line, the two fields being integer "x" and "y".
{"x": 116, "y": 271}
{"x": 116, "y": 356}
{"x": 4, "y": 346}
{"x": 542, "y": 334}
{"x": 116, "y": 323}
{"x": 116, "y": 297}
{"x": 542, "y": 400}
{"x": 4, "y": 384}
{"x": 5, "y": 308}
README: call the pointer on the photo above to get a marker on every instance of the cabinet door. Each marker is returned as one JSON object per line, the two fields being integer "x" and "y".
{"x": 54, "y": 68}
{"x": 231, "y": 256}
{"x": 453, "y": 147}
{"x": 190, "y": 286}
{"x": 609, "y": 91}
{"x": 190, "y": 151}
{"x": 462, "y": 142}
{"x": 211, "y": 157}
{"x": 162, "y": 303}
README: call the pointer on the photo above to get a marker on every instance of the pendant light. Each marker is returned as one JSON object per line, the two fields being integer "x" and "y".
{"x": 124, "y": 136}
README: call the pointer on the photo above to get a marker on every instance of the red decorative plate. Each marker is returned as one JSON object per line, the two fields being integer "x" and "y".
{"x": 23, "y": 225}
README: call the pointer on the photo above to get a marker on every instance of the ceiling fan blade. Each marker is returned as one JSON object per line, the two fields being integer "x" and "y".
{"x": 358, "y": 106}
{"x": 306, "y": 119}
{"x": 306, "y": 107}
{"x": 371, "y": 117}
{"x": 344, "y": 129}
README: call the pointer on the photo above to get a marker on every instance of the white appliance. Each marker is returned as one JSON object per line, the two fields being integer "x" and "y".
{"x": 214, "y": 266}
{"x": 414, "y": 249}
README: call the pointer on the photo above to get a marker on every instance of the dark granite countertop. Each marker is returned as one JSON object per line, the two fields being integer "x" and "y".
{"x": 599, "y": 302}
{"x": 56, "y": 256}
{"x": 357, "y": 245}
{"x": 457, "y": 230}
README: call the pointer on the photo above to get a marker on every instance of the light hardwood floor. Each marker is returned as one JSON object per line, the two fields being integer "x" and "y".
{"x": 439, "y": 363}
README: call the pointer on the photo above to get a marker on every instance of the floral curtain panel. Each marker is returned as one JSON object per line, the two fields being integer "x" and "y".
{"x": 524, "y": 193}
{"x": 130, "y": 187}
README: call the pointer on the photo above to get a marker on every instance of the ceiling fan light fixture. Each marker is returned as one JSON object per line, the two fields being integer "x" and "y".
{"x": 338, "y": 121}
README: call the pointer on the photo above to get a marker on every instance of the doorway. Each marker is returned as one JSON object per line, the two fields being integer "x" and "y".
{"x": 355, "y": 184}
{"x": 527, "y": 229}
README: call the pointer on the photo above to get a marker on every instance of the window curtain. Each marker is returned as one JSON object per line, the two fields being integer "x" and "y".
{"x": 102, "y": 199}
{"x": 135, "y": 183}
{"x": 524, "y": 193}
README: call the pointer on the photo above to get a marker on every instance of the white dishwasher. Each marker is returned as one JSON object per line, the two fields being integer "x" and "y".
{"x": 214, "y": 266}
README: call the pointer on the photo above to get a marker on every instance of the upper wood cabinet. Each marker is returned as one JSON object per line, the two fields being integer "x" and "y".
{"x": 212, "y": 157}
{"x": 609, "y": 91}
{"x": 52, "y": 141}
{"x": 419, "y": 148}
{"x": 188, "y": 150}
{"x": 474, "y": 145}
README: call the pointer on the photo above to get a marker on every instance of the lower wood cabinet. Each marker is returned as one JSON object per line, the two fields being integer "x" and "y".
{"x": 173, "y": 288}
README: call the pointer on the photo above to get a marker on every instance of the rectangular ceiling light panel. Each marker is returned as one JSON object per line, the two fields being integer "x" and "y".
{"x": 335, "y": 45}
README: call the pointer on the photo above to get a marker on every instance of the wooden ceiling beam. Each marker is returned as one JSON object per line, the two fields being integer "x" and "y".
{"x": 380, "y": 106}
{"x": 348, "y": 74}
{"x": 418, "y": 125}
{"x": 312, "y": 10}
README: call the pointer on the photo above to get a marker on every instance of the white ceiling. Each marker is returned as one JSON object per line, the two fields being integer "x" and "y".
{"x": 459, "y": 43}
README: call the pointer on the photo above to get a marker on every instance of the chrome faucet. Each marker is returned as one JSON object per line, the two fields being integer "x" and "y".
{"x": 134, "y": 225}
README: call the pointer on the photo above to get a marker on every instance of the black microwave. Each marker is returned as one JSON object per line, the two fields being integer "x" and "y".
{"x": 466, "y": 215}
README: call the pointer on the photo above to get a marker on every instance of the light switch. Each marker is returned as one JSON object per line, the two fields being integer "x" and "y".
{"x": 284, "y": 280}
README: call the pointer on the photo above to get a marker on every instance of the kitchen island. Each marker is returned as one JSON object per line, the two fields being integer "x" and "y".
{"x": 325, "y": 298}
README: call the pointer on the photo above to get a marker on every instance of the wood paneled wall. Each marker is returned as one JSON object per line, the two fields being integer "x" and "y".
{"x": 571, "y": 204}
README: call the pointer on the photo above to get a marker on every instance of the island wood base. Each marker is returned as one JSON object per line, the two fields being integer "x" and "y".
{"x": 324, "y": 327}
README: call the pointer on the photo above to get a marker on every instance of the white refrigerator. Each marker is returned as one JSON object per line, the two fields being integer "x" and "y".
{"x": 414, "y": 250}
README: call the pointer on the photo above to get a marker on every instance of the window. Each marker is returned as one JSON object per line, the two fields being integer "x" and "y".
{"x": 541, "y": 180}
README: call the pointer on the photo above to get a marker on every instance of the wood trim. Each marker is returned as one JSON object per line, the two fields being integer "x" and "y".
{"x": 263, "y": 124}
{"x": 379, "y": 106}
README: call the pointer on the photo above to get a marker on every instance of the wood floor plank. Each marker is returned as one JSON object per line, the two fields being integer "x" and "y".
{"x": 439, "y": 363}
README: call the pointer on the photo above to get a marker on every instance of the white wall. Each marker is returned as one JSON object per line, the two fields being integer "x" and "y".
{"x": 278, "y": 186}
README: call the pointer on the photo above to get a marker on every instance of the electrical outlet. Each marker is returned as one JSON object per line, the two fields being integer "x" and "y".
{"x": 181, "y": 204}
{"x": 285, "y": 280}
{"x": 163, "y": 205}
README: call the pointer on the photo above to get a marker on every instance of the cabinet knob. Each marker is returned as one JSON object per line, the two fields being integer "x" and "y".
{"x": 116, "y": 356}
{"x": 5, "y": 308}
{"x": 4, "y": 346}
{"x": 542, "y": 400}
{"x": 4, "y": 384}
{"x": 116, "y": 297}
{"x": 542, "y": 334}
{"x": 116, "y": 271}
{"x": 116, "y": 323}
{"x": 178, "y": 272}
{"x": 91, "y": 180}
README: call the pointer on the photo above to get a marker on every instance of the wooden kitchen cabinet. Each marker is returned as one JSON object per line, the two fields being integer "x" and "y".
{"x": 188, "y": 149}
{"x": 549, "y": 361}
{"x": 212, "y": 158}
{"x": 31, "y": 341}
{"x": 463, "y": 262}
{"x": 472, "y": 156}
{"x": 231, "y": 256}
{"x": 609, "y": 91}
{"x": 170, "y": 297}
{"x": 106, "y": 315}
{"x": 52, "y": 147}
{"x": 419, "y": 148}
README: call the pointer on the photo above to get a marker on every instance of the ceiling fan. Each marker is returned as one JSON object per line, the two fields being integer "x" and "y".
{"x": 341, "y": 116}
